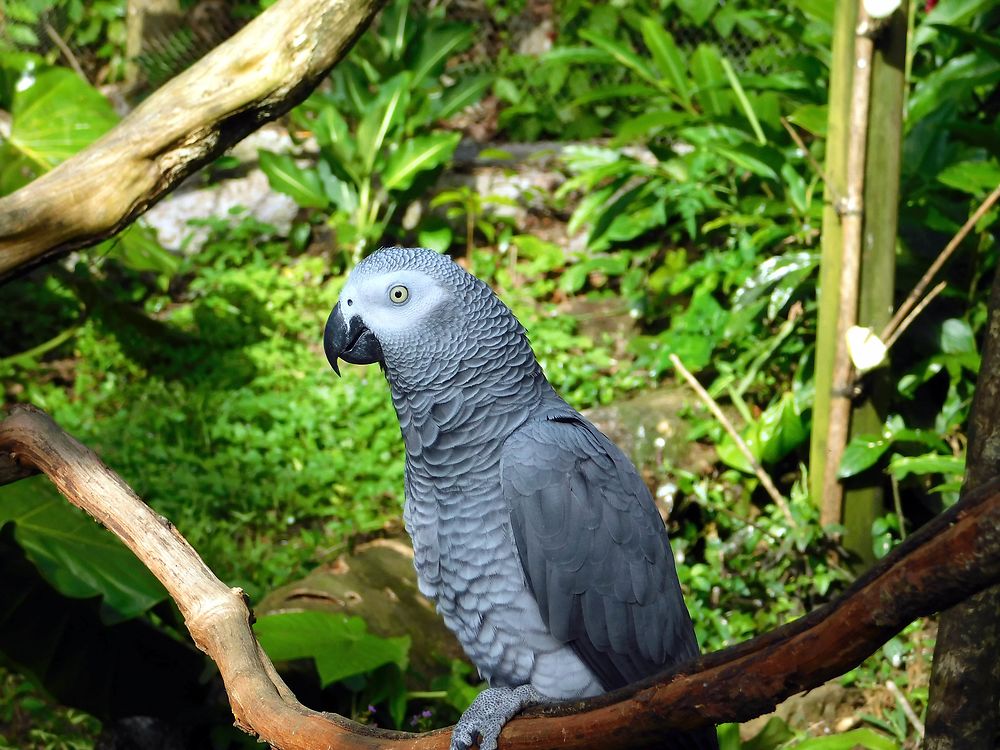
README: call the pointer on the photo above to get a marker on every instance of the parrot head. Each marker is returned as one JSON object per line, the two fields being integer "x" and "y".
{"x": 407, "y": 309}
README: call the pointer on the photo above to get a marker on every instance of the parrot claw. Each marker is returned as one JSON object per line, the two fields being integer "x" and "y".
{"x": 488, "y": 714}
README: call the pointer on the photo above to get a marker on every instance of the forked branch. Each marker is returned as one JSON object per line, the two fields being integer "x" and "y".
{"x": 947, "y": 560}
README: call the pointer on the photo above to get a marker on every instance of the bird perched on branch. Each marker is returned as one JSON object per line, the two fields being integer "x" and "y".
{"x": 532, "y": 532}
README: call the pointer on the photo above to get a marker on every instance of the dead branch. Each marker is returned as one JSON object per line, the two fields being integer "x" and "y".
{"x": 954, "y": 556}
{"x": 261, "y": 72}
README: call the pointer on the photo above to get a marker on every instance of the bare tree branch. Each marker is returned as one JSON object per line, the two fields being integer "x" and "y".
{"x": 261, "y": 72}
{"x": 952, "y": 557}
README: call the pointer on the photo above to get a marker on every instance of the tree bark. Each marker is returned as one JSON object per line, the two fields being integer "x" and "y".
{"x": 965, "y": 679}
{"x": 271, "y": 65}
{"x": 954, "y": 556}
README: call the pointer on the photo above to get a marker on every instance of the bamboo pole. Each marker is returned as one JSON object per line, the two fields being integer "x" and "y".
{"x": 851, "y": 214}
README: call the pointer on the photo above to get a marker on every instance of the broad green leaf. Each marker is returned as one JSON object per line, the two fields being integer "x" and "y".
{"x": 779, "y": 430}
{"x": 341, "y": 194}
{"x": 973, "y": 177}
{"x": 73, "y": 553}
{"x": 928, "y": 463}
{"x": 54, "y": 115}
{"x": 287, "y": 177}
{"x": 341, "y": 646}
{"x": 957, "y": 337}
{"x": 465, "y": 93}
{"x": 861, "y": 453}
{"x": 710, "y": 77}
{"x": 417, "y": 155}
{"x": 810, "y": 117}
{"x": 668, "y": 58}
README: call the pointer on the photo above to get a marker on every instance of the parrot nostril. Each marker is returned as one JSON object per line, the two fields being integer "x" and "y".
{"x": 350, "y": 302}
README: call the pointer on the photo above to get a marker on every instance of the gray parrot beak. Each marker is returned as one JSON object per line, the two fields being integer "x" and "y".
{"x": 350, "y": 341}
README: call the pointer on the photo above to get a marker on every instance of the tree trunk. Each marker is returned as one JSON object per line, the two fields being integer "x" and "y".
{"x": 965, "y": 679}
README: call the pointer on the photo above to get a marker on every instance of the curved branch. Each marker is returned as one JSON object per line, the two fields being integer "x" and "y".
{"x": 954, "y": 556}
{"x": 261, "y": 72}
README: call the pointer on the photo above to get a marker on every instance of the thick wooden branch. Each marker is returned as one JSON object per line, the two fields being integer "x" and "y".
{"x": 260, "y": 73}
{"x": 947, "y": 560}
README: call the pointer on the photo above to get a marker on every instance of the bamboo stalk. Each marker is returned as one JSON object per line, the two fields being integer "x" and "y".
{"x": 852, "y": 222}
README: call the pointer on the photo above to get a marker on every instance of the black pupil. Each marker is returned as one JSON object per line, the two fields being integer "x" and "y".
{"x": 398, "y": 293}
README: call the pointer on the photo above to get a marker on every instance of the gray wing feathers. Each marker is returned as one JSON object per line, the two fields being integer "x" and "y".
{"x": 594, "y": 550}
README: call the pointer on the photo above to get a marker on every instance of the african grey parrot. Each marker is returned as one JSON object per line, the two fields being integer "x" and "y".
{"x": 532, "y": 532}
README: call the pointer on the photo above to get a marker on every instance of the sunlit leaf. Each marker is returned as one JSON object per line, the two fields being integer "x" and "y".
{"x": 417, "y": 155}
{"x": 287, "y": 177}
{"x": 341, "y": 646}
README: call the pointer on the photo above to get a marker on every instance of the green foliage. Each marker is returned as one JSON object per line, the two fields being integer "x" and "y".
{"x": 375, "y": 124}
{"x": 28, "y": 719}
{"x": 94, "y": 29}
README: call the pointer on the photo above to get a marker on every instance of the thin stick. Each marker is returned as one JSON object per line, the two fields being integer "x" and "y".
{"x": 834, "y": 196}
{"x": 852, "y": 221}
{"x": 950, "y": 248}
{"x": 65, "y": 50}
{"x": 915, "y": 312}
{"x": 907, "y": 708}
{"x": 713, "y": 407}
{"x": 897, "y": 503}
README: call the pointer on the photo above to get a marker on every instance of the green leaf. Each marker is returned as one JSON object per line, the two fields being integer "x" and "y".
{"x": 341, "y": 646}
{"x": 74, "y": 554}
{"x": 417, "y": 155}
{"x": 435, "y": 48}
{"x": 952, "y": 13}
{"x": 929, "y": 463}
{"x": 861, "y": 453}
{"x": 810, "y": 117}
{"x": 621, "y": 54}
{"x": 465, "y": 93}
{"x": 54, "y": 115}
{"x": 741, "y": 98}
{"x": 957, "y": 337}
{"x": 973, "y": 177}
{"x": 668, "y": 58}
{"x": 285, "y": 176}
{"x": 387, "y": 111}
{"x": 744, "y": 159}
{"x": 865, "y": 738}
{"x": 778, "y": 431}
{"x": 710, "y": 77}
{"x": 774, "y": 735}
{"x": 697, "y": 10}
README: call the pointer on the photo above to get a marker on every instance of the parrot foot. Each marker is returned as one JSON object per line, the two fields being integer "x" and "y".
{"x": 488, "y": 713}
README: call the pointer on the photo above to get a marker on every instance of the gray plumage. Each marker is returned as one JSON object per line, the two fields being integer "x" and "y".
{"x": 532, "y": 532}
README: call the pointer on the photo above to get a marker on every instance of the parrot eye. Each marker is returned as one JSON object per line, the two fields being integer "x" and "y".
{"x": 399, "y": 294}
